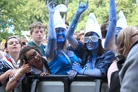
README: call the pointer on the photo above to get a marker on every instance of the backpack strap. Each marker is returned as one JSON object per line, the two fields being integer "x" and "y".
{"x": 46, "y": 65}
{"x": 120, "y": 60}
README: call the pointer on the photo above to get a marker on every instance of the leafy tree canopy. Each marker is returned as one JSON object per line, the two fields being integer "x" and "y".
{"x": 25, "y": 12}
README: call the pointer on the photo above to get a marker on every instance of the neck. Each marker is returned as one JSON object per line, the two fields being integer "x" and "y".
{"x": 60, "y": 46}
{"x": 94, "y": 53}
{"x": 37, "y": 43}
{"x": 15, "y": 56}
{"x": 40, "y": 68}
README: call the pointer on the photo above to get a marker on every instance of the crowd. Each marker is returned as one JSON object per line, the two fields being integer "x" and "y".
{"x": 107, "y": 52}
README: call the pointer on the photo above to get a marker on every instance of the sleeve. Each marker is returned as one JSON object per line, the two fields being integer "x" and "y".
{"x": 108, "y": 58}
{"x": 3, "y": 67}
{"x": 80, "y": 49}
{"x": 128, "y": 74}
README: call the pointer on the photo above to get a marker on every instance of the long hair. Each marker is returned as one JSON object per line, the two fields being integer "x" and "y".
{"x": 124, "y": 40}
{"x": 100, "y": 48}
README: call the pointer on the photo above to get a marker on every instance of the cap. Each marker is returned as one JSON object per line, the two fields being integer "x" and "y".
{"x": 92, "y": 25}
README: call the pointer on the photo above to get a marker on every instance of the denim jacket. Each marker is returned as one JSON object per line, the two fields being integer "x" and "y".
{"x": 102, "y": 62}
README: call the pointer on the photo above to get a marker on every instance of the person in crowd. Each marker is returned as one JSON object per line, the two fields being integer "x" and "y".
{"x": 125, "y": 40}
{"x": 4, "y": 77}
{"x": 59, "y": 58}
{"x": 32, "y": 62}
{"x": 114, "y": 28}
{"x": 24, "y": 42}
{"x": 104, "y": 27}
{"x": 95, "y": 60}
{"x": 110, "y": 36}
{"x": 14, "y": 76}
{"x": 10, "y": 60}
{"x": 37, "y": 33}
{"x": 32, "y": 56}
{"x": 128, "y": 73}
{"x": 81, "y": 35}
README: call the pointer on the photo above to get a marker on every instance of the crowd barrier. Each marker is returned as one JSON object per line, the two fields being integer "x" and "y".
{"x": 62, "y": 83}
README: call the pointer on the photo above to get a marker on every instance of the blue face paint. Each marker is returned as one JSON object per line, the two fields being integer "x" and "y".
{"x": 91, "y": 45}
{"x": 60, "y": 32}
{"x": 117, "y": 32}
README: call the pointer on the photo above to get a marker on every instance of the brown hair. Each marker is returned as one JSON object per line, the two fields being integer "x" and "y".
{"x": 100, "y": 48}
{"x": 36, "y": 24}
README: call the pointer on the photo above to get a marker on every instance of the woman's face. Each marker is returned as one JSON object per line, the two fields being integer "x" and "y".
{"x": 34, "y": 58}
{"x": 13, "y": 46}
{"x": 91, "y": 42}
{"x": 60, "y": 32}
{"x": 134, "y": 36}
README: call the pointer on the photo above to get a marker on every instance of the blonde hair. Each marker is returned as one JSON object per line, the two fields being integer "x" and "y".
{"x": 124, "y": 40}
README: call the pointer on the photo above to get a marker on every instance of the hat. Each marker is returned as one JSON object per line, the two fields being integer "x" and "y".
{"x": 121, "y": 22}
{"x": 92, "y": 25}
{"x": 58, "y": 21}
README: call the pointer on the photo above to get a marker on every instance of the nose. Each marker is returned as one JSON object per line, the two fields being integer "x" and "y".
{"x": 14, "y": 43}
{"x": 60, "y": 32}
{"x": 90, "y": 41}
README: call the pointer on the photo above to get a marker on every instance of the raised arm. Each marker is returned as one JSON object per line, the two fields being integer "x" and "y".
{"x": 110, "y": 36}
{"x": 81, "y": 8}
{"x": 51, "y": 32}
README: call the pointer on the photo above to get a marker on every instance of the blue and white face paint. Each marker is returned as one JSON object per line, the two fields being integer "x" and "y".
{"x": 60, "y": 32}
{"x": 92, "y": 42}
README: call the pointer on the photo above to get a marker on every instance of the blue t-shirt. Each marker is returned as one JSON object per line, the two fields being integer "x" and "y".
{"x": 61, "y": 65}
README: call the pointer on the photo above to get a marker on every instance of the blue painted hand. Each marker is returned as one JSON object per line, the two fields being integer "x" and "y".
{"x": 82, "y": 7}
{"x": 77, "y": 68}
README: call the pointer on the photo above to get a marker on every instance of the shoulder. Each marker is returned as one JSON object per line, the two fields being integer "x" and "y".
{"x": 30, "y": 43}
{"x": 109, "y": 52}
{"x": 42, "y": 45}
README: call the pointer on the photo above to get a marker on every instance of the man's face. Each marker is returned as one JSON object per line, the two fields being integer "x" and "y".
{"x": 38, "y": 34}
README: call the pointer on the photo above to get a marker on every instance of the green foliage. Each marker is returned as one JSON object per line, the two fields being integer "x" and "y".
{"x": 4, "y": 35}
{"x": 25, "y": 12}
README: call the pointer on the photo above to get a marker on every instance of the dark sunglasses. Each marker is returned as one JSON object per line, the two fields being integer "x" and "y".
{"x": 134, "y": 35}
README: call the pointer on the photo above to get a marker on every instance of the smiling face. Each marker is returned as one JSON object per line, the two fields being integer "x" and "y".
{"x": 60, "y": 32}
{"x": 91, "y": 40}
{"x": 33, "y": 58}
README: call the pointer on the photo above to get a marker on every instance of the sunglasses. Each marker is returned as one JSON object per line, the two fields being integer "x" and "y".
{"x": 134, "y": 35}
{"x": 93, "y": 38}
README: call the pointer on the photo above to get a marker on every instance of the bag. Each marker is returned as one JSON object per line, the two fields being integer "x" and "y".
{"x": 115, "y": 82}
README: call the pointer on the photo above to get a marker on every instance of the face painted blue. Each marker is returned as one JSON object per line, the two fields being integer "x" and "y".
{"x": 60, "y": 35}
{"x": 92, "y": 45}
{"x": 117, "y": 32}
